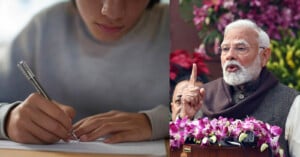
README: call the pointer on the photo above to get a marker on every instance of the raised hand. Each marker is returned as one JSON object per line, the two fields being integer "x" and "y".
{"x": 116, "y": 126}
{"x": 39, "y": 121}
{"x": 192, "y": 96}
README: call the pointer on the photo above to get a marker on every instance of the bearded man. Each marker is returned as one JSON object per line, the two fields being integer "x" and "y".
{"x": 247, "y": 88}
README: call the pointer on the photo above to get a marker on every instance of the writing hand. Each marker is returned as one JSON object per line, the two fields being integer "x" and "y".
{"x": 192, "y": 96}
{"x": 118, "y": 126}
{"x": 39, "y": 121}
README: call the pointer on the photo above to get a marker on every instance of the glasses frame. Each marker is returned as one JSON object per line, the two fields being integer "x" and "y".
{"x": 238, "y": 51}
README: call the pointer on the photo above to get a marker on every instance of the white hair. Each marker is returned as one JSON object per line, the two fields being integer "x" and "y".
{"x": 245, "y": 74}
{"x": 263, "y": 38}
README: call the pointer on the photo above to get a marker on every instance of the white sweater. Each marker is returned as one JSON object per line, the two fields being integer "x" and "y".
{"x": 91, "y": 76}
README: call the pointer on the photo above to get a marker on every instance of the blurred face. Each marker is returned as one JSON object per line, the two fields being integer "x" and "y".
{"x": 109, "y": 20}
{"x": 176, "y": 98}
{"x": 240, "y": 57}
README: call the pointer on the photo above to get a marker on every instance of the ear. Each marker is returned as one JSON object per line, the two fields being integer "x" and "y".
{"x": 265, "y": 56}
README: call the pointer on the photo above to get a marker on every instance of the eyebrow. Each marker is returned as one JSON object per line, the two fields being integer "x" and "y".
{"x": 237, "y": 42}
{"x": 178, "y": 97}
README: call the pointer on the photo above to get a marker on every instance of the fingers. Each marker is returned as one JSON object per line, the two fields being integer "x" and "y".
{"x": 49, "y": 108}
{"x": 53, "y": 112}
{"x": 93, "y": 119}
{"x": 42, "y": 135}
{"x": 193, "y": 77}
{"x": 191, "y": 95}
{"x": 67, "y": 109}
{"x": 22, "y": 128}
{"x": 135, "y": 126}
{"x": 202, "y": 95}
{"x": 192, "y": 101}
{"x": 103, "y": 130}
{"x": 48, "y": 124}
{"x": 40, "y": 120}
{"x": 120, "y": 137}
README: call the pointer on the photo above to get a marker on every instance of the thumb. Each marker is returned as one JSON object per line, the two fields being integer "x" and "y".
{"x": 202, "y": 92}
{"x": 69, "y": 111}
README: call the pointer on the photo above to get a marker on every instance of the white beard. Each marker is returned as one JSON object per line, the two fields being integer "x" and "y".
{"x": 242, "y": 75}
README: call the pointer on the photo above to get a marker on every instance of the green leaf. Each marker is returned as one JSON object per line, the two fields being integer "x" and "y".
{"x": 186, "y": 10}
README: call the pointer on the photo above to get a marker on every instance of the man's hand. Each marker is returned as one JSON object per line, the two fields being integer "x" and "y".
{"x": 116, "y": 126}
{"x": 192, "y": 96}
{"x": 39, "y": 121}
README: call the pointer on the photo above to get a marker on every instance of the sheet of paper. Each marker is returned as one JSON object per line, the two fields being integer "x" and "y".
{"x": 152, "y": 148}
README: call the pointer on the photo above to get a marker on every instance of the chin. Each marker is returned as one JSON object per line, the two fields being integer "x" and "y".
{"x": 107, "y": 38}
{"x": 236, "y": 79}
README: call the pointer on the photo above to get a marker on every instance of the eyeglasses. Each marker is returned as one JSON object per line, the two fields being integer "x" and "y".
{"x": 239, "y": 49}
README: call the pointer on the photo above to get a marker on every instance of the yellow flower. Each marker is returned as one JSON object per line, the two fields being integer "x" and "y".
{"x": 263, "y": 147}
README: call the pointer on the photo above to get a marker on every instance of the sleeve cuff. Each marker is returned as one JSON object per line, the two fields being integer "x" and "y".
{"x": 4, "y": 110}
{"x": 159, "y": 119}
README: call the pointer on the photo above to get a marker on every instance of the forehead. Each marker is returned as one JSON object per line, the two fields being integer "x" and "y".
{"x": 240, "y": 35}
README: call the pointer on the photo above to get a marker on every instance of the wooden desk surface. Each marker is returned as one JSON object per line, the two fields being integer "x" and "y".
{"x": 29, "y": 153}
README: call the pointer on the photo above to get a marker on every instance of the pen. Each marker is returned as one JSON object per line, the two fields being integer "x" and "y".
{"x": 31, "y": 77}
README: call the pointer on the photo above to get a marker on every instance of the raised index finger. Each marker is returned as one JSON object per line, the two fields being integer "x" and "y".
{"x": 193, "y": 77}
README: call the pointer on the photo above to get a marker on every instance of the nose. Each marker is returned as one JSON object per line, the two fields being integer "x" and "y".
{"x": 231, "y": 54}
{"x": 113, "y": 9}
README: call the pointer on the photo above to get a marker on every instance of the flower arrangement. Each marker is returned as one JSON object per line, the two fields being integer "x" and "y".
{"x": 280, "y": 17}
{"x": 184, "y": 59}
{"x": 285, "y": 61}
{"x": 207, "y": 132}
{"x": 181, "y": 62}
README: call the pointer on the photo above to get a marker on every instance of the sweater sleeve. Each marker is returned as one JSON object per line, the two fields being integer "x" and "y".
{"x": 159, "y": 119}
{"x": 4, "y": 110}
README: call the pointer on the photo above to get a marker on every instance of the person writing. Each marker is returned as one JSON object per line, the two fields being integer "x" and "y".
{"x": 247, "y": 88}
{"x": 95, "y": 59}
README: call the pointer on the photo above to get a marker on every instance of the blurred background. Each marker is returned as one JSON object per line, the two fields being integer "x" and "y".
{"x": 15, "y": 14}
{"x": 197, "y": 27}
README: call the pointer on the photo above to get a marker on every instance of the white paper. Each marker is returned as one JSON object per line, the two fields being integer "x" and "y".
{"x": 151, "y": 148}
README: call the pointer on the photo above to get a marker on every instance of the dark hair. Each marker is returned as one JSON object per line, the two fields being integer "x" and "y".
{"x": 150, "y": 5}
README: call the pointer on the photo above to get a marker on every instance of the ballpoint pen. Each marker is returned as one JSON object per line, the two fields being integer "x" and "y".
{"x": 31, "y": 77}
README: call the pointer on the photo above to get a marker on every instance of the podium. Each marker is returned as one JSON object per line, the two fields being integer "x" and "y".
{"x": 193, "y": 150}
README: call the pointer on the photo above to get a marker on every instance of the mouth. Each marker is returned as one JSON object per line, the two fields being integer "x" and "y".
{"x": 109, "y": 28}
{"x": 232, "y": 68}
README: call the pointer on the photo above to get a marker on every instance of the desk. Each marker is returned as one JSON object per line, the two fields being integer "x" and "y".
{"x": 28, "y": 153}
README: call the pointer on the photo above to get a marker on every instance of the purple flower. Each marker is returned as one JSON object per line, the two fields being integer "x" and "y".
{"x": 206, "y": 132}
{"x": 275, "y": 130}
{"x": 275, "y": 17}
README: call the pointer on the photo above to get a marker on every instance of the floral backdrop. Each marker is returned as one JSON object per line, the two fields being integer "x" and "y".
{"x": 279, "y": 18}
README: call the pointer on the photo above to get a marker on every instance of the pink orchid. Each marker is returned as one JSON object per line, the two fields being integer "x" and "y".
{"x": 206, "y": 132}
